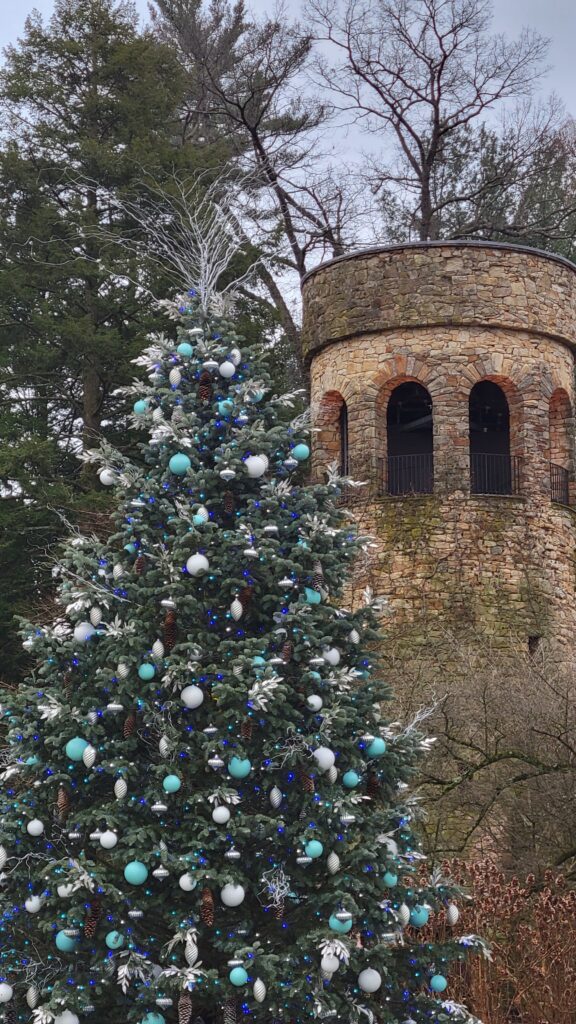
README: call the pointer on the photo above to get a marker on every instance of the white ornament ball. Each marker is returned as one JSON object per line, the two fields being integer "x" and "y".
{"x": 192, "y": 696}
{"x": 108, "y": 839}
{"x": 333, "y": 863}
{"x": 187, "y": 882}
{"x": 329, "y": 963}
{"x": 89, "y": 756}
{"x": 35, "y": 827}
{"x": 120, "y": 789}
{"x": 197, "y": 564}
{"x": 314, "y": 702}
{"x": 452, "y": 914}
{"x": 232, "y": 895}
{"x": 275, "y": 796}
{"x": 259, "y": 990}
{"x": 324, "y": 758}
{"x": 3, "y": 857}
{"x": 107, "y": 478}
{"x": 6, "y": 992}
{"x": 369, "y": 980}
{"x": 33, "y": 904}
{"x": 331, "y": 655}
{"x": 404, "y": 913}
{"x": 67, "y": 1017}
{"x": 236, "y": 609}
{"x": 227, "y": 368}
{"x": 83, "y": 631}
{"x": 95, "y": 616}
{"x": 256, "y": 465}
{"x": 32, "y": 996}
{"x": 65, "y": 890}
{"x": 221, "y": 815}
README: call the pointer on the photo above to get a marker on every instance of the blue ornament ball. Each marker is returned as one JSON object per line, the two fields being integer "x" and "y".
{"x": 339, "y": 926}
{"x": 438, "y": 983}
{"x": 419, "y": 916}
{"x": 146, "y": 671}
{"x": 153, "y": 1018}
{"x": 239, "y": 768}
{"x": 141, "y": 406}
{"x": 185, "y": 349}
{"x": 136, "y": 872}
{"x": 171, "y": 784}
{"x": 389, "y": 878}
{"x": 75, "y": 748}
{"x": 65, "y": 943}
{"x": 376, "y": 748}
{"x": 300, "y": 452}
{"x": 314, "y": 848}
{"x": 238, "y": 976}
{"x": 179, "y": 464}
{"x": 350, "y": 779}
{"x": 114, "y": 940}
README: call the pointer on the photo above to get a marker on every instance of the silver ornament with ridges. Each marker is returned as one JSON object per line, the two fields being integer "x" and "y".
{"x": 259, "y": 990}
{"x": 332, "y": 774}
{"x": 95, "y": 616}
{"x": 89, "y": 756}
{"x": 236, "y": 609}
{"x": 122, "y": 670}
{"x": 333, "y": 863}
{"x": 118, "y": 571}
{"x": 403, "y": 913}
{"x": 164, "y": 746}
{"x": 3, "y": 857}
{"x": 275, "y": 796}
{"x": 190, "y": 951}
{"x": 120, "y": 789}
{"x": 32, "y": 996}
{"x": 354, "y": 636}
{"x": 452, "y": 914}
{"x": 175, "y": 376}
{"x": 157, "y": 650}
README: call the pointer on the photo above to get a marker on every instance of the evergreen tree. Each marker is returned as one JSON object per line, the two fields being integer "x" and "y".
{"x": 204, "y": 810}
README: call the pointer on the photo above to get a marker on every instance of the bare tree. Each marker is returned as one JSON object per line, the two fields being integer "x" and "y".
{"x": 422, "y": 73}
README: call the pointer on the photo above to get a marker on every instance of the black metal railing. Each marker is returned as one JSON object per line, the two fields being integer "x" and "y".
{"x": 559, "y": 484}
{"x": 494, "y": 474}
{"x": 408, "y": 474}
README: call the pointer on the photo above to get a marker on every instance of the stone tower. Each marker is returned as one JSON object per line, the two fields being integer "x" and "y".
{"x": 442, "y": 374}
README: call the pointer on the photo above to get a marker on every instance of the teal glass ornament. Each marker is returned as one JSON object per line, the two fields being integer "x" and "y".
{"x": 316, "y": 676}
{"x": 258, "y": 662}
{"x": 256, "y": 396}
{"x": 171, "y": 784}
{"x": 179, "y": 464}
{"x": 130, "y": 548}
{"x": 185, "y": 349}
{"x": 141, "y": 406}
{"x": 301, "y": 452}
{"x": 376, "y": 748}
{"x": 339, "y": 926}
{"x": 419, "y": 916}
{"x": 198, "y": 520}
{"x": 65, "y": 943}
{"x": 238, "y": 976}
{"x": 314, "y": 849}
{"x": 153, "y": 1018}
{"x": 239, "y": 768}
{"x": 389, "y": 878}
{"x": 350, "y": 779}
{"x": 225, "y": 407}
{"x": 114, "y": 940}
{"x": 136, "y": 872}
{"x": 75, "y": 748}
{"x": 438, "y": 983}
{"x": 146, "y": 671}
{"x": 312, "y": 596}
{"x": 33, "y": 760}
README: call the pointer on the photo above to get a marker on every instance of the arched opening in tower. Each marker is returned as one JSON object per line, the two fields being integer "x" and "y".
{"x": 560, "y": 422}
{"x": 343, "y": 439}
{"x": 492, "y": 469}
{"x": 331, "y": 442}
{"x": 409, "y": 431}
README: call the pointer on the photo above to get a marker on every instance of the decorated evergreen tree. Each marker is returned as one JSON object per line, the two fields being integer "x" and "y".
{"x": 205, "y": 811}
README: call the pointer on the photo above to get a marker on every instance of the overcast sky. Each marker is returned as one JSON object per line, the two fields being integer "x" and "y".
{"x": 553, "y": 18}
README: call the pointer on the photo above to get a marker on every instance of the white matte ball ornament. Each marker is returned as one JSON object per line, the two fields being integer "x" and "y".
{"x": 67, "y": 1017}
{"x": 369, "y": 980}
{"x": 256, "y": 465}
{"x": 83, "y": 631}
{"x": 187, "y": 882}
{"x": 65, "y": 890}
{"x": 35, "y": 827}
{"x": 314, "y": 702}
{"x": 192, "y": 696}
{"x": 331, "y": 655}
{"x": 324, "y": 758}
{"x": 197, "y": 564}
{"x": 232, "y": 895}
{"x": 6, "y": 992}
{"x": 107, "y": 478}
{"x": 108, "y": 839}
{"x": 227, "y": 369}
{"x": 329, "y": 963}
{"x": 33, "y": 904}
{"x": 221, "y": 815}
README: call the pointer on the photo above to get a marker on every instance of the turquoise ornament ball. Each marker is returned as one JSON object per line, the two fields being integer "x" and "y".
{"x": 238, "y": 976}
{"x": 179, "y": 464}
{"x": 130, "y": 548}
{"x": 314, "y": 848}
{"x": 339, "y": 926}
{"x": 75, "y": 748}
{"x": 32, "y": 761}
{"x": 171, "y": 784}
{"x": 389, "y": 878}
{"x": 65, "y": 943}
{"x": 376, "y": 748}
{"x": 258, "y": 661}
{"x": 350, "y": 779}
{"x": 225, "y": 407}
{"x": 198, "y": 520}
{"x": 312, "y": 596}
{"x": 239, "y": 768}
{"x": 419, "y": 916}
{"x": 146, "y": 671}
{"x": 301, "y": 452}
{"x": 256, "y": 396}
{"x": 185, "y": 349}
{"x": 141, "y": 406}
{"x": 438, "y": 983}
{"x": 136, "y": 872}
{"x": 114, "y": 940}
{"x": 153, "y": 1018}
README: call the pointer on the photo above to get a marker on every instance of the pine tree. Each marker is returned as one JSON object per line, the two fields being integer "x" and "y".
{"x": 204, "y": 809}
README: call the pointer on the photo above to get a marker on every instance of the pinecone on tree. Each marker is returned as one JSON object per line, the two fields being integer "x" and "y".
{"x": 317, "y": 576}
{"x": 129, "y": 725}
{"x": 372, "y": 786}
{"x": 246, "y": 729}
{"x": 287, "y": 651}
{"x": 228, "y": 502}
{"x": 10, "y": 1014}
{"x": 63, "y": 803}
{"x": 91, "y": 922}
{"x": 245, "y": 596}
{"x": 279, "y": 910}
{"x": 205, "y": 387}
{"x": 229, "y": 1013}
{"x": 207, "y": 907}
{"x": 184, "y": 1008}
{"x": 140, "y": 565}
{"x": 306, "y": 782}
{"x": 169, "y": 629}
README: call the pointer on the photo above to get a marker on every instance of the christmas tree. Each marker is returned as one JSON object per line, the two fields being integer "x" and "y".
{"x": 204, "y": 808}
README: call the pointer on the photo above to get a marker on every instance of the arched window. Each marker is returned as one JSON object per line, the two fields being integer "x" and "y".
{"x": 493, "y": 470}
{"x": 560, "y": 415}
{"x": 343, "y": 437}
{"x": 331, "y": 442}
{"x": 410, "y": 440}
